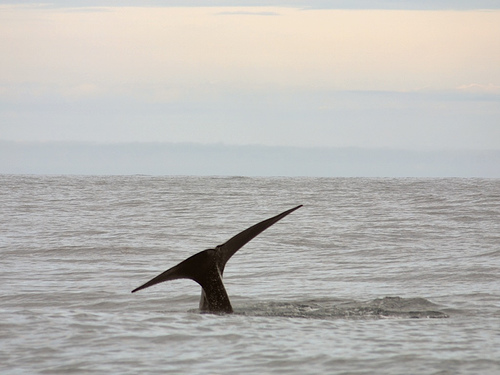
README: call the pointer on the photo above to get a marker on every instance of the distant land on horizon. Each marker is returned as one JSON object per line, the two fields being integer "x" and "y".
{"x": 85, "y": 158}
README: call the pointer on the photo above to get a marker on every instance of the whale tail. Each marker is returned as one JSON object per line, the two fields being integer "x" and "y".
{"x": 207, "y": 267}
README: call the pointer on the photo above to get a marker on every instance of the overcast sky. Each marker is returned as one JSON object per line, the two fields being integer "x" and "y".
{"x": 414, "y": 75}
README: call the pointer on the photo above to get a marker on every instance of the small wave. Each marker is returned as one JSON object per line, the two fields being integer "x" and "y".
{"x": 387, "y": 307}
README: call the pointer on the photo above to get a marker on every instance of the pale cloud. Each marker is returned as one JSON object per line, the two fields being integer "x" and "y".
{"x": 480, "y": 88}
{"x": 247, "y": 13}
{"x": 326, "y": 78}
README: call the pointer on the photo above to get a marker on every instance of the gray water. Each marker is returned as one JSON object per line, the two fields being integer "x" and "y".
{"x": 371, "y": 276}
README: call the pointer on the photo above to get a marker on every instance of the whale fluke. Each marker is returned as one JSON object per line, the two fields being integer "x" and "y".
{"x": 207, "y": 267}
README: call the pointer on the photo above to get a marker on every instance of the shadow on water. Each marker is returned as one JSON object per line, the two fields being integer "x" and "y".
{"x": 380, "y": 308}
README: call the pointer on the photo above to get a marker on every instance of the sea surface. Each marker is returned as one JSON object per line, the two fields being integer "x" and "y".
{"x": 370, "y": 276}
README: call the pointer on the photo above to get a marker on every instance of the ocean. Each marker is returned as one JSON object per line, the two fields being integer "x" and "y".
{"x": 370, "y": 276}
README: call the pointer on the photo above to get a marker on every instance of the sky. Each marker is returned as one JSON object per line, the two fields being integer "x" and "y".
{"x": 402, "y": 75}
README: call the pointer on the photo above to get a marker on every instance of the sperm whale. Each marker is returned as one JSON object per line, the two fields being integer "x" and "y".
{"x": 207, "y": 267}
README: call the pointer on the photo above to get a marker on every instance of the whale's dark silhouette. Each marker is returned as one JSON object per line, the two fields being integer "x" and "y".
{"x": 207, "y": 267}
